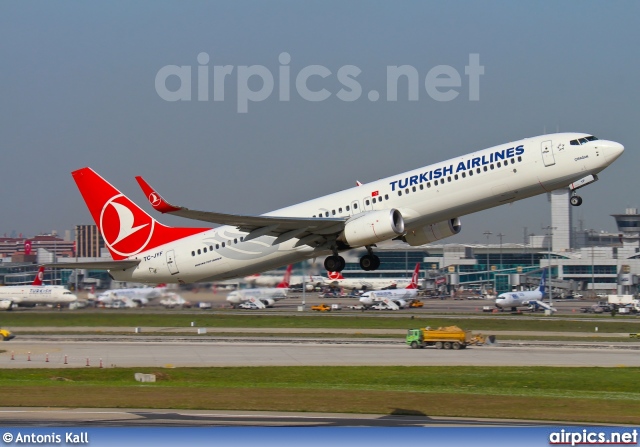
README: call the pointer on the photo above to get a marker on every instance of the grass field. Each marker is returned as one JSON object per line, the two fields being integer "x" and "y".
{"x": 606, "y": 395}
{"x": 488, "y": 323}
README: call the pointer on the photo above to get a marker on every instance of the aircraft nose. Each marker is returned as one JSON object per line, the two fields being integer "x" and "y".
{"x": 612, "y": 150}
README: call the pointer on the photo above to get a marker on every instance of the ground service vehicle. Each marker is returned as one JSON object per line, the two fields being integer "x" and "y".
{"x": 321, "y": 308}
{"x": 416, "y": 303}
{"x": 5, "y": 335}
{"x": 450, "y": 337}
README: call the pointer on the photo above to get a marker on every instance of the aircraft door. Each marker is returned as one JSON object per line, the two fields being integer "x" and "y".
{"x": 355, "y": 207}
{"x": 366, "y": 204}
{"x": 546, "y": 147}
{"x": 171, "y": 262}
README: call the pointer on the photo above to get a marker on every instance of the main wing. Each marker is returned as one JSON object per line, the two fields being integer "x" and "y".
{"x": 309, "y": 231}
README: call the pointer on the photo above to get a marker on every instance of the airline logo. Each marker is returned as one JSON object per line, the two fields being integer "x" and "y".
{"x": 334, "y": 275}
{"x": 125, "y": 228}
{"x": 154, "y": 199}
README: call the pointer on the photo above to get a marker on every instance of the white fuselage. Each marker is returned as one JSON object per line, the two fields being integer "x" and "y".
{"x": 424, "y": 196}
{"x": 517, "y": 299}
{"x": 263, "y": 294}
{"x": 396, "y": 295}
{"x": 366, "y": 283}
{"x": 31, "y": 295}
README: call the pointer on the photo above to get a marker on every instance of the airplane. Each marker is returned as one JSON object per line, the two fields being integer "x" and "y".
{"x": 261, "y": 297}
{"x": 337, "y": 280}
{"x": 139, "y": 295}
{"x": 419, "y": 207}
{"x": 29, "y": 296}
{"x": 392, "y": 299}
{"x": 531, "y": 298}
{"x": 259, "y": 280}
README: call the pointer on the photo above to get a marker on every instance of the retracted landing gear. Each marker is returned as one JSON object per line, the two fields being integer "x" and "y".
{"x": 369, "y": 261}
{"x": 575, "y": 199}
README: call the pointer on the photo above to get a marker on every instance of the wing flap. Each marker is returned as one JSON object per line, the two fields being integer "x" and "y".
{"x": 96, "y": 265}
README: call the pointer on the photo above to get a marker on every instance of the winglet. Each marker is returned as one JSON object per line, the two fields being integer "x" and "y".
{"x": 155, "y": 199}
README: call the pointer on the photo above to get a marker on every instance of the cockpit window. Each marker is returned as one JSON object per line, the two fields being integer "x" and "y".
{"x": 580, "y": 141}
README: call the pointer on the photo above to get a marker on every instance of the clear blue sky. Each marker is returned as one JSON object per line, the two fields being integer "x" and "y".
{"x": 78, "y": 89}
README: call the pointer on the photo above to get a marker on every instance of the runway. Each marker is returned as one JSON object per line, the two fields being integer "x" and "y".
{"x": 200, "y": 353}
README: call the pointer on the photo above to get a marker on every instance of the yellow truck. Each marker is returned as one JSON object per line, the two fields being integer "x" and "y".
{"x": 5, "y": 335}
{"x": 450, "y": 337}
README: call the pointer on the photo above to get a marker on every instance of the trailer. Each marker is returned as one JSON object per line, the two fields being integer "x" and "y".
{"x": 450, "y": 337}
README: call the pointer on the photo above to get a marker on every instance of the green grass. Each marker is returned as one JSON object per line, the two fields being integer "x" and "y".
{"x": 607, "y": 395}
{"x": 221, "y": 320}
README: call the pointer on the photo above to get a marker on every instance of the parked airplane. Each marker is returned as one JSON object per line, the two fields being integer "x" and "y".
{"x": 29, "y": 296}
{"x": 393, "y": 299}
{"x": 419, "y": 206}
{"x": 139, "y": 295}
{"x": 262, "y": 297}
{"x": 531, "y": 298}
{"x": 259, "y": 280}
{"x": 337, "y": 280}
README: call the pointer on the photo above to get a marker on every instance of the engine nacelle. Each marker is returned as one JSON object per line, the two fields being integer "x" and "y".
{"x": 268, "y": 302}
{"x": 431, "y": 233}
{"x": 5, "y": 304}
{"x": 372, "y": 227}
{"x": 402, "y": 304}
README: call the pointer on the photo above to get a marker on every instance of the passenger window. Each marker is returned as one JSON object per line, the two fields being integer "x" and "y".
{"x": 193, "y": 253}
{"x": 367, "y": 202}
{"x": 399, "y": 193}
{"x": 455, "y": 176}
{"x": 428, "y": 184}
{"x": 478, "y": 170}
{"x": 223, "y": 245}
{"x": 333, "y": 212}
{"x": 204, "y": 249}
{"x": 449, "y": 179}
{"x": 347, "y": 208}
{"x": 217, "y": 246}
{"x": 199, "y": 252}
{"x": 235, "y": 241}
{"x": 519, "y": 158}
{"x": 470, "y": 173}
{"x": 491, "y": 165}
{"x": 386, "y": 197}
{"x": 355, "y": 206}
{"x": 326, "y": 214}
{"x": 499, "y": 165}
{"x": 464, "y": 175}
{"x": 421, "y": 186}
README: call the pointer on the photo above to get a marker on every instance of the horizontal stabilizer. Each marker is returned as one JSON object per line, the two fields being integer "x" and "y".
{"x": 95, "y": 265}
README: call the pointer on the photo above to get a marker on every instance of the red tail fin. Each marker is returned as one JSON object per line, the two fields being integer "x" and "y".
{"x": 287, "y": 278}
{"x": 415, "y": 277}
{"x": 335, "y": 275}
{"x": 37, "y": 281}
{"x": 125, "y": 227}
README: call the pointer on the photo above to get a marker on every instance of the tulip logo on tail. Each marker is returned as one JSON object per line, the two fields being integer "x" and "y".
{"x": 334, "y": 275}
{"x": 125, "y": 228}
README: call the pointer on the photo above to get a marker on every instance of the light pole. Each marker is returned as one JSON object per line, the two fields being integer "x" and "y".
{"x": 487, "y": 233}
{"x": 500, "y": 235}
{"x": 550, "y": 234}
{"x": 593, "y": 281}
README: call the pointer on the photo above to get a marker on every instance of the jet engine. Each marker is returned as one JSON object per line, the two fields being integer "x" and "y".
{"x": 268, "y": 302}
{"x": 5, "y": 304}
{"x": 431, "y": 233}
{"x": 371, "y": 227}
{"x": 401, "y": 304}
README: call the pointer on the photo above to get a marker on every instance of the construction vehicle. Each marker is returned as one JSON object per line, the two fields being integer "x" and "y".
{"x": 450, "y": 337}
{"x": 6, "y": 335}
{"x": 321, "y": 308}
